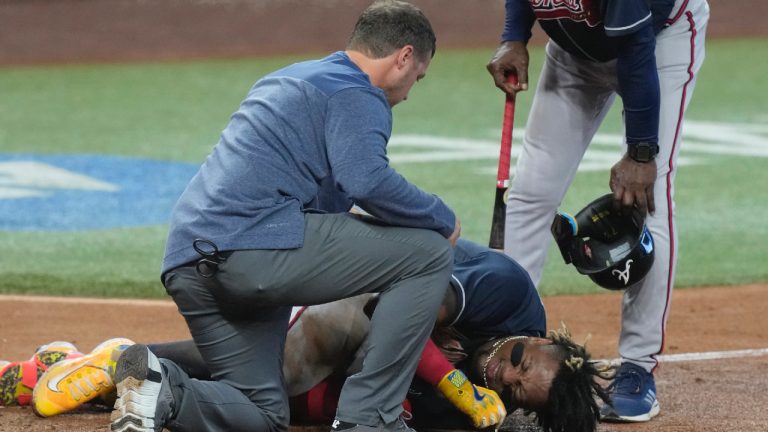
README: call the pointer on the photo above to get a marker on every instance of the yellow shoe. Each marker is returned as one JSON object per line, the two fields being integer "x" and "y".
{"x": 17, "y": 379}
{"x": 71, "y": 383}
{"x": 54, "y": 352}
{"x": 16, "y": 382}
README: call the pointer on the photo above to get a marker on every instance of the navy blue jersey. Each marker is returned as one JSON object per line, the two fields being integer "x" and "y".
{"x": 603, "y": 30}
{"x": 495, "y": 296}
{"x": 586, "y": 28}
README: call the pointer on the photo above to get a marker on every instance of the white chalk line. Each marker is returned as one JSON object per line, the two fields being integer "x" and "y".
{"x": 700, "y": 356}
{"x": 87, "y": 300}
{"x": 712, "y": 355}
{"x": 701, "y": 141}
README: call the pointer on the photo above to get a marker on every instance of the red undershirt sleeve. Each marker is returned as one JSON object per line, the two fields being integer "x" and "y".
{"x": 433, "y": 365}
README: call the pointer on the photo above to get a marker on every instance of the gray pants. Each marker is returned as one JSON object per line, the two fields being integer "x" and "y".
{"x": 239, "y": 319}
{"x": 577, "y": 94}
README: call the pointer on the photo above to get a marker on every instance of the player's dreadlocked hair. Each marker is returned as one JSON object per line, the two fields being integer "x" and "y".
{"x": 571, "y": 406}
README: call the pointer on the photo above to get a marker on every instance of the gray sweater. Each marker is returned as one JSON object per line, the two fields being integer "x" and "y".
{"x": 311, "y": 136}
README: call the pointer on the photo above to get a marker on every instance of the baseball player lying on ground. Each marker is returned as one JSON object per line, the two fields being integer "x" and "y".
{"x": 490, "y": 328}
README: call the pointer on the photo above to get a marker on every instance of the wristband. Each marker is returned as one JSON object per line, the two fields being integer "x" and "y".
{"x": 643, "y": 151}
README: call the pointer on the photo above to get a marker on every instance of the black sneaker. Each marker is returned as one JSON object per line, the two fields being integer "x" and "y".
{"x": 144, "y": 399}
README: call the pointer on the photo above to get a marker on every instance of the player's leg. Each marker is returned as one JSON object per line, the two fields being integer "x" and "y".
{"x": 571, "y": 100}
{"x": 19, "y": 378}
{"x": 242, "y": 352}
{"x": 679, "y": 55}
{"x": 185, "y": 354}
{"x": 343, "y": 256}
{"x": 70, "y": 383}
{"x": 238, "y": 319}
{"x": 323, "y": 340}
{"x": 317, "y": 405}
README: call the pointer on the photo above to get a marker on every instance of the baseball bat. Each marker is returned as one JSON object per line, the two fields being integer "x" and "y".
{"x": 502, "y": 176}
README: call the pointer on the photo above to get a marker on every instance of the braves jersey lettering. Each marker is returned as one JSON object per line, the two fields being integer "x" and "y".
{"x": 575, "y": 10}
{"x": 589, "y": 29}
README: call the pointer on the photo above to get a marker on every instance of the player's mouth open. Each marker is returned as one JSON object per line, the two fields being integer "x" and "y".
{"x": 492, "y": 372}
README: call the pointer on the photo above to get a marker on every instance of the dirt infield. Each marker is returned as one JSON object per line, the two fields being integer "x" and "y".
{"x": 695, "y": 395}
{"x": 73, "y": 31}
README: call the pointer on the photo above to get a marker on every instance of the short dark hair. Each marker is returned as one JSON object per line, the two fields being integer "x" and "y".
{"x": 389, "y": 25}
{"x": 571, "y": 405}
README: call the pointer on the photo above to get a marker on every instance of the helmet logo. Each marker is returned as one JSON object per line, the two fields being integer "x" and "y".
{"x": 623, "y": 275}
{"x": 646, "y": 241}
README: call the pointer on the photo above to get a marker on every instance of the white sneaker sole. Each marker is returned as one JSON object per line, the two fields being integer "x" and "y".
{"x": 655, "y": 409}
{"x": 138, "y": 376}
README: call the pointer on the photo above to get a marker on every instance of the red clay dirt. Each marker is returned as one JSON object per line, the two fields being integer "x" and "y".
{"x": 74, "y": 31}
{"x": 696, "y": 396}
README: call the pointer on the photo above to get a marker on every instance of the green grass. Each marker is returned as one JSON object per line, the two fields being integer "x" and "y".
{"x": 105, "y": 263}
{"x": 175, "y": 111}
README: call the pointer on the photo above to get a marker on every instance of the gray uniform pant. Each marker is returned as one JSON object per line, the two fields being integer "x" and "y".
{"x": 576, "y": 94}
{"x": 239, "y": 319}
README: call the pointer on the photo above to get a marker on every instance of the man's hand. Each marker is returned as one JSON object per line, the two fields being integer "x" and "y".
{"x": 456, "y": 233}
{"x": 632, "y": 184}
{"x": 510, "y": 58}
{"x": 482, "y": 405}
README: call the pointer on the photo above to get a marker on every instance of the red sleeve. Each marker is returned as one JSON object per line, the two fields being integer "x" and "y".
{"x": 433, "y": 365}
{"x": 318, "y": 405}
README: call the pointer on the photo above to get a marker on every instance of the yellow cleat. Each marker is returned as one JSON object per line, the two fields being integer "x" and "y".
{"x": 16, "y": 382}
{"x": 73, "y": 382}
{"x": 54, "y": 352}
{"x": 17, "y": 379}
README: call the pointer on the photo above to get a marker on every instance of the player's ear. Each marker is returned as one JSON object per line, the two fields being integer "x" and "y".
{"x": 405, "y": 55}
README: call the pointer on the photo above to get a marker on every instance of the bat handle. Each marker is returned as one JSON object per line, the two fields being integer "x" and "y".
{"x": 502, "y": 176}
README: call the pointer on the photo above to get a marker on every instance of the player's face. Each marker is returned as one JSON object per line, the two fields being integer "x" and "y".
{"x": 519, "y": 369}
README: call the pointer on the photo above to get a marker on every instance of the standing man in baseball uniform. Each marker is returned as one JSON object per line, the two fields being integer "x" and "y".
{"x": 649, "y": 53}
{"x": 263, "y": 226}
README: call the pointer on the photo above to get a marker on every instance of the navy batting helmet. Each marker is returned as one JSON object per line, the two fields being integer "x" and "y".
{"x": 613, "y": 248}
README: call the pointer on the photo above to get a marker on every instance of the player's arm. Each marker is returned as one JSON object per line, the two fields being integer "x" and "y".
{"x": 483, "y": 406}
{"x": 633, "y": 177}
{"x": 512, "y": 55}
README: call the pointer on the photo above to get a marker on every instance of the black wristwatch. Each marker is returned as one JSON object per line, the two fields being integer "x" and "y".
{"x": 643, "y": 151}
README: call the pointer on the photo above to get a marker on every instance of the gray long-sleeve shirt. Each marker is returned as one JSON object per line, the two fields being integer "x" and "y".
{"x": 310, "y": 136}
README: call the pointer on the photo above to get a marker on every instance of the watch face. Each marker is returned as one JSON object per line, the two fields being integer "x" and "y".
{"x": 643, "y": 152}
